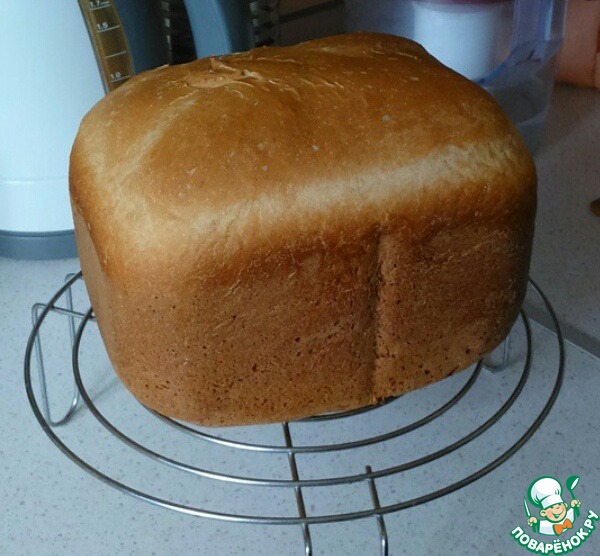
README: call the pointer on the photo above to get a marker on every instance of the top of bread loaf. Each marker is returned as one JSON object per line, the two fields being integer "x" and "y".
{"x": 249, "y": 150}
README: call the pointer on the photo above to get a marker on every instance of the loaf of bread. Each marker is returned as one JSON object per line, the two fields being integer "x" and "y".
{"x": 290, "y": 231}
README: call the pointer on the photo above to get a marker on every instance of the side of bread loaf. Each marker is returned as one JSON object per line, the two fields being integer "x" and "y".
{"x": 275, "y": 234}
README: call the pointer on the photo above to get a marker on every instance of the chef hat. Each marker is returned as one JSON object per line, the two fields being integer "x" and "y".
{"x": 545, "y": 492}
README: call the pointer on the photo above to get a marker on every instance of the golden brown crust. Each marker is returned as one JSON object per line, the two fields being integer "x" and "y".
{"x": 295, "y": 230}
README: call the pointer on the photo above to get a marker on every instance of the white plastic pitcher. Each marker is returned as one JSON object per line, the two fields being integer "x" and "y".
{"x": 506, "y": 46}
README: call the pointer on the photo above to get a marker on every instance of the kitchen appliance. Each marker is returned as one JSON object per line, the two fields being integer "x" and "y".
{"x": 57, "y": 62}
{"x": 506, "y": 46}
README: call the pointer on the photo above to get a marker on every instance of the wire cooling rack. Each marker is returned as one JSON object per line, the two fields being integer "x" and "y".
{"x": 297, "y": 485}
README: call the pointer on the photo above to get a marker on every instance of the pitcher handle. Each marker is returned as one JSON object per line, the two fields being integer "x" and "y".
{"x": 538, "y": 29}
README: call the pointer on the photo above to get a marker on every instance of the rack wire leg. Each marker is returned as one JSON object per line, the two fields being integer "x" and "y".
{"x": 497, "y": 360}
{"x": 308, "y": 550}
{"x": 383, "y": 536}
{"x": 39, "y": 357}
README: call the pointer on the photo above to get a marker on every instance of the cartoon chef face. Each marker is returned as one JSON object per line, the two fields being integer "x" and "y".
{"x": 555, "y": 513}
{"x": 546, "y": 493}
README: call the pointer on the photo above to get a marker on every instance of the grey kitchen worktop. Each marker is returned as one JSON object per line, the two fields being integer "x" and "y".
{"x": 566, "y": 254}
{"x": 51, "y": 507}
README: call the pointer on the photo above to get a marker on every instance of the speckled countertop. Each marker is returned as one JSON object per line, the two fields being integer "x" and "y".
{"x": 51, "y": 507}
{"x": 566, "y": 255}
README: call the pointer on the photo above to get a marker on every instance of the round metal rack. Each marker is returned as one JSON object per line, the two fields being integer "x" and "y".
{"x": 82, "y": 398}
